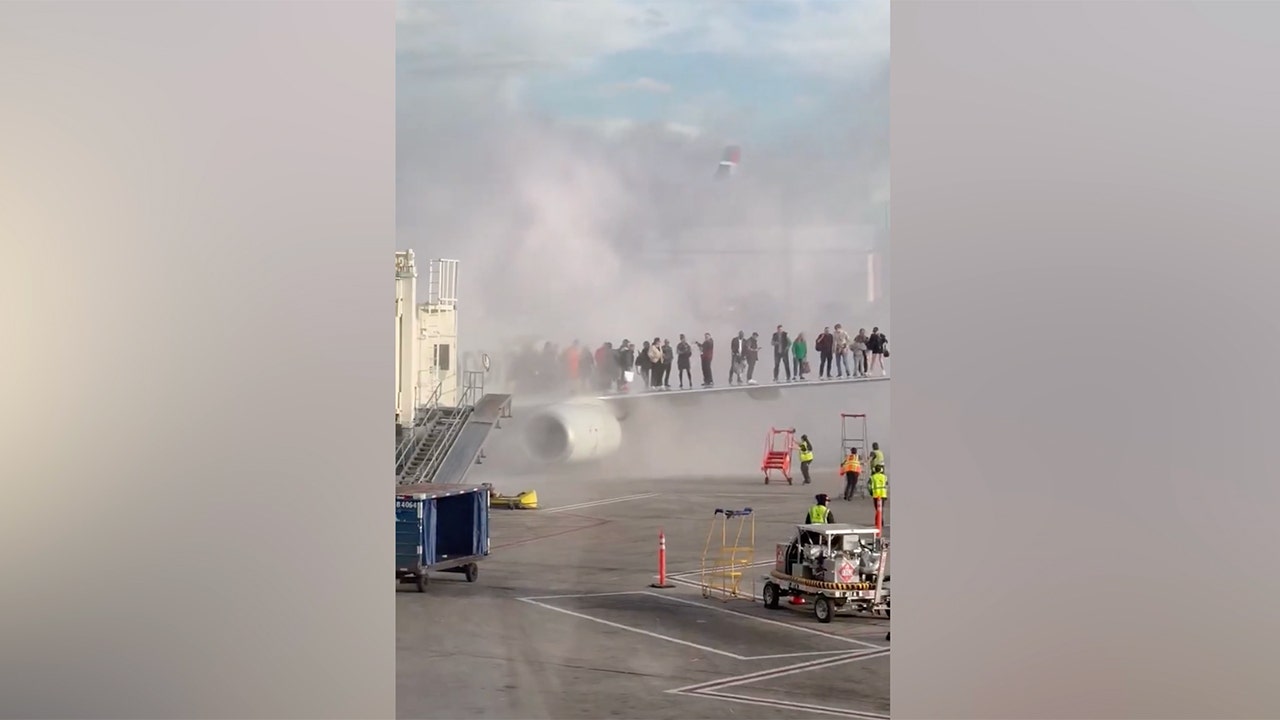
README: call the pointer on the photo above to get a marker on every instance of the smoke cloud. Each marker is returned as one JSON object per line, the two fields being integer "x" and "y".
{"x": 573, "y": 225}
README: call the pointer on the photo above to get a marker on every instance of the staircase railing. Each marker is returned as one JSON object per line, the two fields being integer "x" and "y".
{"x": 408, "y": 445}
{"x": 472, "y": 389}
{"x": 424, "y": 410}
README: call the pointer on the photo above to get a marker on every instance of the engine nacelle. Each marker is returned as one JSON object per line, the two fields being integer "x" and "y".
{"x": 573, "y": 431}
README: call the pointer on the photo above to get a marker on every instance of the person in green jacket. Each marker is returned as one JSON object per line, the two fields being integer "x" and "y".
{"x": 800, "y": 351}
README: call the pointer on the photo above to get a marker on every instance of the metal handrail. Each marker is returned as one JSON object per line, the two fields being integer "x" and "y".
{"x": 473, "y": 389}
{"x": 406, "y": 447}
{"x": 433, "y": 401}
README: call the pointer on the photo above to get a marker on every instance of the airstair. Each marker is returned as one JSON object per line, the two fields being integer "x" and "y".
{"x": 447, "y": 441}
{"x": 434, "y": 444}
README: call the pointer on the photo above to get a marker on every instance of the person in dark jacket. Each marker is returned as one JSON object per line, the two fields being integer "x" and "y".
{"x": 668, "y": 355}
{"x": 644, "y": 368}
{"x": 824, "y": 344}
{"x": 706, "y": 350}
{"x": 737, "y": 348}
{"x": 606, "y": 367}
{"x": 781, "y": 353}
{"x": 752, "y": 356}
{"x": 626, "y": 364}
{"x": 683, "y": 353}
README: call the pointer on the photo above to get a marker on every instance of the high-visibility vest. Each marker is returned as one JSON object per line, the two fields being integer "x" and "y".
{"x": 851, "y": 464}
{"x": 806, "y": 452}
{"x": 818, "y": 514}
{"x": 879, "y": 485}
{"x": 877, "y": 458}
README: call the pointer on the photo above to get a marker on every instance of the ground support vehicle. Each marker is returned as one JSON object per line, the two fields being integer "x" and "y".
{"x": 834, "y": 568}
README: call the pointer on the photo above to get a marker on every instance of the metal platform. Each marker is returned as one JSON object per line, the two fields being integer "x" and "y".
{"x": 469, "y": 443}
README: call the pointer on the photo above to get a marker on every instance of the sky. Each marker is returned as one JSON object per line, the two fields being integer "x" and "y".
{"x": 563, "y": 152}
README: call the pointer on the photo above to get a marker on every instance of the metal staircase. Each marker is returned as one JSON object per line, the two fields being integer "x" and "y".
{"x": 436, "y": 441}
{"x": 428, "y": 449}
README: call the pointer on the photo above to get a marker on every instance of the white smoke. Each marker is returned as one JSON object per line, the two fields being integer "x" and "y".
{"x": 571, "y": 227}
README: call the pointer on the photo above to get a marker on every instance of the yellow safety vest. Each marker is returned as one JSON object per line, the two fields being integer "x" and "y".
{"x": 806, "y": 452}
{"x": 851, "y": 464}
{"x": 818, "y": 514}
{"x": 877, "y": 458}
{"x": 879, "y": 485}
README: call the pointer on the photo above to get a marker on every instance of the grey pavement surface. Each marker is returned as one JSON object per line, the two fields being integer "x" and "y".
{"x": 562, "y": 622}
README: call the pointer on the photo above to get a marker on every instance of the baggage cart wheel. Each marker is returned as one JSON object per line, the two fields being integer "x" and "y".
{"x": 472, "y": 571}
{"x": 770, "y": 596}
{"x": 822, "y": 609}
{"x": 421, "y": 582}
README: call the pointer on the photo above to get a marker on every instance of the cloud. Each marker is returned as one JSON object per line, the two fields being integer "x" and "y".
{"x": 644, "y": 85}
{"x": 608, "y": 226}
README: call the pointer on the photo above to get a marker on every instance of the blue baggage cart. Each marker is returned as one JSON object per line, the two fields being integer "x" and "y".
{"x": 443, "y": 529}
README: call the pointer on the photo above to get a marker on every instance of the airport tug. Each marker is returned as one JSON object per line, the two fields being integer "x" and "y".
{"x": 834, "y": 567}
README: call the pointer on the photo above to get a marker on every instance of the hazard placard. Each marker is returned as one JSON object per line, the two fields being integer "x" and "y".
{"x": 846, "y": 572}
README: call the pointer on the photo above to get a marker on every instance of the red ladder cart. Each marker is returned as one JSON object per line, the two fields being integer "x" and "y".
{"x": 777, "y": 453}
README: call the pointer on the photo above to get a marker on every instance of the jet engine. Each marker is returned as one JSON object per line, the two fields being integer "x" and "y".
{"x": 573, "y": 431}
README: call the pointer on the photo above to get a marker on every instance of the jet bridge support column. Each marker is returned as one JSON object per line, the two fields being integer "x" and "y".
{"x": 406, "y": 339}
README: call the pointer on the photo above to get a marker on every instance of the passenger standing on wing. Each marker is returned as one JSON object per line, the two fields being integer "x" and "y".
{"x": 683, "y": 353}
{"x": 655, "y": 364}
{"x": 874, "y": 349}
{"x": 626, "y": 365}
{"x": 806, "y": 457}
{"x": 753, "y": 356}
{"x": 606, "y": 367}
{"x": 737, "y": 347}
{"x": 706, "y": 350}
{"x": 781, "y": 353}
{"x": 800, "y": 348}
{"x": 860, "y": 353}
{"x": 586, "y": 370}
{"x": 842, "y": 352}
{"x": 668, "y": 353}
{"x": 643, "y": 366}
{"x": 824, "y": 344}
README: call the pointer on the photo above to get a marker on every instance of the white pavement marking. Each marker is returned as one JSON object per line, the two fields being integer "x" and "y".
{"x": 787, "y": 705}
{"x": 771, "y": 672}
{"x": 580, "y": 595}
{"x": 537, "y": 601}
{"x": 783, "y": 672}
{"x": 597, "y": 503}
{"x": 712, "y": 689}
{"x": 791, "y": 626}
{"x": 620, "y": 626}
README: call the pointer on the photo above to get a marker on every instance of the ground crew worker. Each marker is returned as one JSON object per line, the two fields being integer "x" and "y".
{"x": 877, "y": 456}
{"x": 806, "y": 457}
{"x": 819, "y": 514}
{"x": 851, "y": 468}
{"x": 878, "y": 485}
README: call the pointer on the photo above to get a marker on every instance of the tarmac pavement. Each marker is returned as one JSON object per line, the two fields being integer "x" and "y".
{"x": 562, "y": 621}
